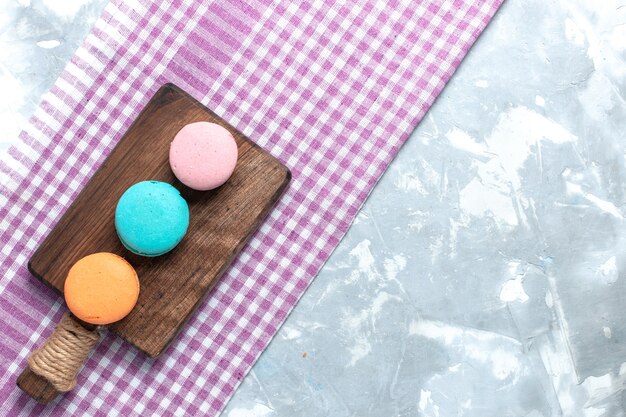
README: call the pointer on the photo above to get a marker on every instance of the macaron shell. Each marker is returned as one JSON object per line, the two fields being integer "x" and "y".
{"x": 203, "y": 155}
{"x": 101, "y": 288}
{"x": 143, "y": 252}
{"x": 151, "y": 218}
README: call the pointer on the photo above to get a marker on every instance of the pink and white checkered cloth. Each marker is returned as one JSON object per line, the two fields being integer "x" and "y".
{"x": 331, "y": 88}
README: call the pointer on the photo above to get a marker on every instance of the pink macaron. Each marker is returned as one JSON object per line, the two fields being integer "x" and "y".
{"x": 203, "y": 155}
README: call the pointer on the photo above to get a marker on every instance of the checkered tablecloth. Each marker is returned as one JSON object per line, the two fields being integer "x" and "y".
{"x": 331, "y": 88}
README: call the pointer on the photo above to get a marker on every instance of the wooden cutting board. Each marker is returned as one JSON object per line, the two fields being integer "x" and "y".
{"x": 221, "y": 221}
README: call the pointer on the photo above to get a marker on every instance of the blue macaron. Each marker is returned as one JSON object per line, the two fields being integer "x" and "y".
{"x": 151, "y": 218}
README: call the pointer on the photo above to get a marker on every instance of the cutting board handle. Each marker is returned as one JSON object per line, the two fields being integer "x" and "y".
{"x": 53, "y": 367}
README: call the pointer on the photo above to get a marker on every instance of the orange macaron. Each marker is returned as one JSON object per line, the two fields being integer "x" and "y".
{"x": 101, "y": 288}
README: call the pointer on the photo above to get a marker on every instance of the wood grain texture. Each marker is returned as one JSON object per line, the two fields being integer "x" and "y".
{"x": 221, "y": 220}
{"x": 38, "y": 387}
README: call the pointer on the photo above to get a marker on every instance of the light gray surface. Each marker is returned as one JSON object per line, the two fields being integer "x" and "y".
{"x": 37, "y": 39}
{"x": 488, "y": 260}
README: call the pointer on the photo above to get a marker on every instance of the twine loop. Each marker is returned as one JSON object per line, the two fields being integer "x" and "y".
{"x": 63, "y": 354}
